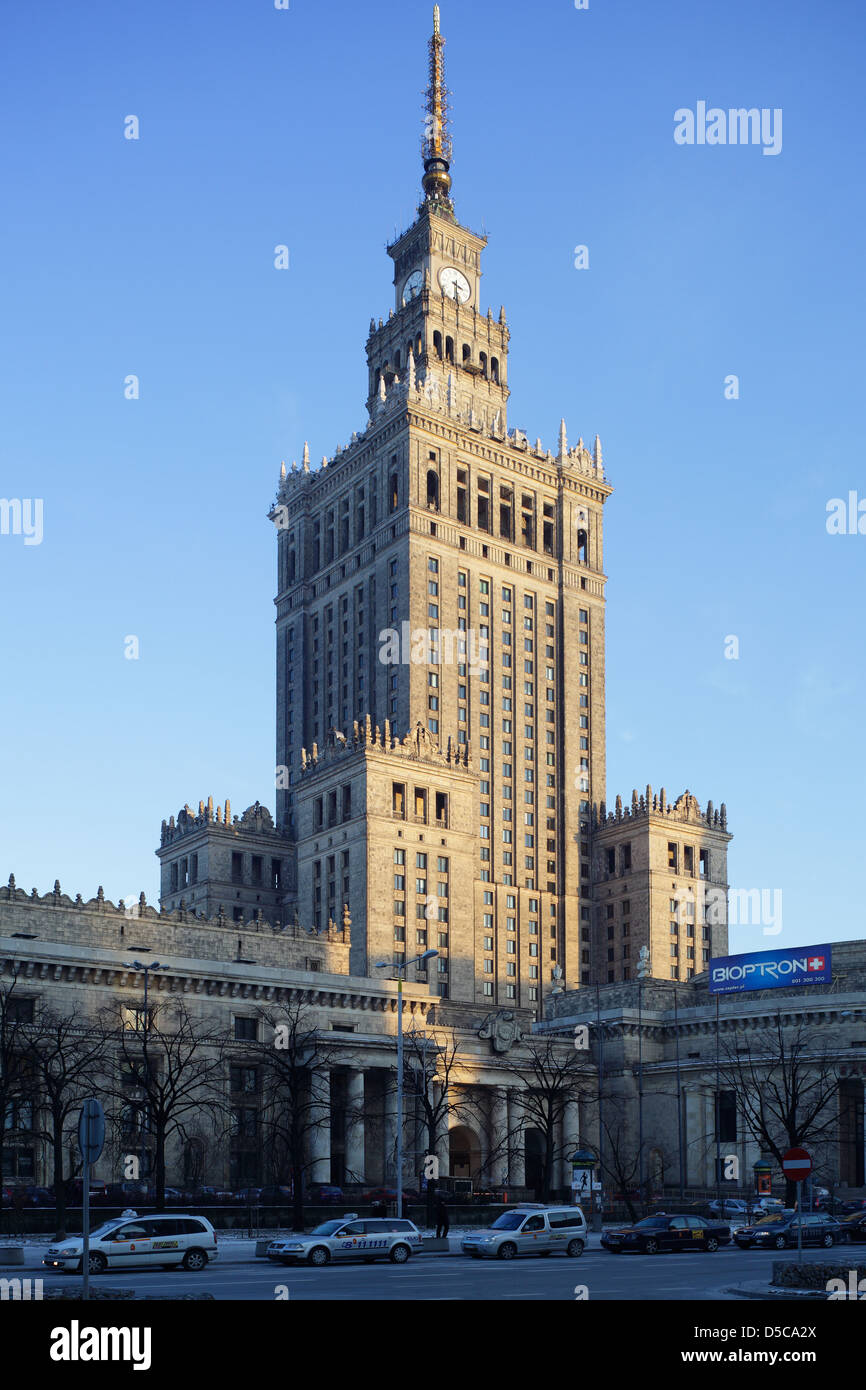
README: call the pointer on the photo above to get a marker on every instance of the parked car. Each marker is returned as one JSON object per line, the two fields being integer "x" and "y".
{"x": 767, "y": 1205}
{"x": 75, "y": 1192}
{"x": 350, "y": 1238}
{"x": 327, "y": 1193}
{"x": 656, "y": 1233}
{"x": 275, "y": 1196}
{"x": 247, "y": 1194}
{"x": 854, "y": 1226}
{"x": 853, "y": 1205}
{"x": 389, "y": 1194}
{"x": 529, "y": 1230}
{"x": 781, "y": 1233}
{"x": 156, "y": 1242}
{"x": 728, "y": 1206}
{"x": 201, "y": 1196}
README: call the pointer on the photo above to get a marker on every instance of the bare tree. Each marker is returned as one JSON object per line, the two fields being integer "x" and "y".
{"x": 17, "y": 1089}
{"x": 550, "y": 1075}
{"x": 787, "y": 1087}
{"x": 66, "y": 1058}
{"x": 295, "y": 1100}
{"x": 172, "y": 1072}
{"x": 430, "y": 1067}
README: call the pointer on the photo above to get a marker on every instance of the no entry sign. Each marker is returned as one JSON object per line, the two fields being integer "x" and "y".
{"x": 796, "y": 1165}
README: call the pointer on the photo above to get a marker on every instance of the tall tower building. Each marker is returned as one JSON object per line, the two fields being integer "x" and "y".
{"x": 440, "y": 643}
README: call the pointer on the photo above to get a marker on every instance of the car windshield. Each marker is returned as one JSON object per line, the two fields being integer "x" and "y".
{"x": 328, "y": 1228}
{"x": 648, "y": 1222}
{"x": 107, "y": 1226}
{"x": 509, "y": 1221}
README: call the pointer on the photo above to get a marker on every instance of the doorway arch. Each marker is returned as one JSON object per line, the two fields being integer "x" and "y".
{"x": 464, "y": 1152}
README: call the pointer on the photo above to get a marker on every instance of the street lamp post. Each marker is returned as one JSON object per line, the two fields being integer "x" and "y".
{"x": 145, "y": 970}
{"x": 401, "y": 967}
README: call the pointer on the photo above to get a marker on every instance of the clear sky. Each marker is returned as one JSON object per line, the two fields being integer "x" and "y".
{"x": 155, "y": 257}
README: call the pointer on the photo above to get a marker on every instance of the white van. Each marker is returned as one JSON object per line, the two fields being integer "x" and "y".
{"x": 149, "y": 1242}
{"x": 530, "y": 1230}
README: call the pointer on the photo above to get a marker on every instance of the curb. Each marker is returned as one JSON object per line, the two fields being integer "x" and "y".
{"x": 772, "y": 1293}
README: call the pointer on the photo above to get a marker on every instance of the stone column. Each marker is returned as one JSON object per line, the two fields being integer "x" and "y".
{"x": 389, "y": 1153}
{"x": 443, "y": 1151}
{"x": 320, "y": 1122}
{"x": 355, "y": 1155}
{"x": 499, "y": 1141}
{"x": 517, "y": 1161}
{"x": 570, "y": 1138}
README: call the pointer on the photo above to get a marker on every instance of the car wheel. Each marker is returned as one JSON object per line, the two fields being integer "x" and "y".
{"x": 780, "y": 1242}
{"x": 507, "y": 1250}
{"x": 712, "y": 1244}
{"x": 399, "y": 1254}
{"x": 828, "y": 1240}
{"x": 319, "y": 1255}
{"x": 194, "y": 1260}
{"x": 96, "y": 1262}
{"x": 574, "y": 1248}
{"x": 651, "y": 1247}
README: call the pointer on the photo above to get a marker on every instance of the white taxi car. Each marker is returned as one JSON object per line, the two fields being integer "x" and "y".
{"x": 530, "y": 1230}
{"x": 152, "y": 1242}
{"x": 350, "y": 1238}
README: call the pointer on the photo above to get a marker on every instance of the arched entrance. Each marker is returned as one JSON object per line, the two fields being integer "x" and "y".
{"x": 464, "y": 1152}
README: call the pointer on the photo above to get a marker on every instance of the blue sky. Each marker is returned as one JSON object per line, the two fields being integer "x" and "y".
{"x": 155, "y": 257}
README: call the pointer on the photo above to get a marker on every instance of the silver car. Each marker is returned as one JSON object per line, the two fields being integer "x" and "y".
{"x": 350, "y": 1238}
{"x": 530, "y": 1231}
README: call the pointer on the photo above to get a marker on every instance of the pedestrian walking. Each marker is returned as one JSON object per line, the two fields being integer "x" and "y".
{"x": 441, "y": 1219}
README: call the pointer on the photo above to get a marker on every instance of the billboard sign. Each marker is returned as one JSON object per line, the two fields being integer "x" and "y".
{"x": 798, "y": 965}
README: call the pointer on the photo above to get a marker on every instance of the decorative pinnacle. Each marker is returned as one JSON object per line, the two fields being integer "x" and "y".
{"x": 436, "y": 145}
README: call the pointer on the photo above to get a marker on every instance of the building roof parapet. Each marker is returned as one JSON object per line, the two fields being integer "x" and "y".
{"x": 685, "y": 809}
{"x": 416, "y": 744}
{"x": 129, "y": 908}
{"x": 256, "y": 820}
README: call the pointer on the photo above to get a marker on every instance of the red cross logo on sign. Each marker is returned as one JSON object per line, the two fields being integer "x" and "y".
{"x": 816, "y": 963}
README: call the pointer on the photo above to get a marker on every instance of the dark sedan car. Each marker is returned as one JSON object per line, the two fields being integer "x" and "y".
{"x": 780, "y": 1233}
{"x": 853, "y": 1227}
{"x": 657, "y": 1233}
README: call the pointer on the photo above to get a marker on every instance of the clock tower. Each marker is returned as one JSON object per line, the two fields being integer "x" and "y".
{"x": 440, "y": 646}
{"x": 437, "y": 319}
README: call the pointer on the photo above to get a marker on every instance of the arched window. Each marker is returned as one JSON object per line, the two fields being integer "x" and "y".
{"x": 397, "y": 360}
{"x": 482, "y": 360}
{"x": 437, "y": 343}
{"x": 449, "y": 350}
{"x": 393, "y": 493}
{"x": 418, "y": 346}
{"x": 433, "y": 488}
{"x": 494, "y": 370}
{"x": 467, "y": 352}
{"x": 582, "y": 541}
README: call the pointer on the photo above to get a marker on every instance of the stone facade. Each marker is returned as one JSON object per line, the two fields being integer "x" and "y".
{"x": 70, "y": 954}
{"x": 660, "y": 882}
{"x": 663, "y": 1036}
{"x": 213, "y": 862}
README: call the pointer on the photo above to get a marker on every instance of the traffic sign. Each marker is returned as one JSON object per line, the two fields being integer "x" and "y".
{"x": 796, "y": 1165}
{"x": 91, "y": 1132}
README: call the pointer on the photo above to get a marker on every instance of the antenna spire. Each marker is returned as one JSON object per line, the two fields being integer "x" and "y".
{"x": 436, "y": 145}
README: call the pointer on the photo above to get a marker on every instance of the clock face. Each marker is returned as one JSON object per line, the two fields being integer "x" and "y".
{"x": 455, "y": 284}
{"x": 412, "y": 286}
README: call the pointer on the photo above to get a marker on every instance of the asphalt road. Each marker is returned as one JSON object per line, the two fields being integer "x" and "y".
{"x": 658, "y": 1278}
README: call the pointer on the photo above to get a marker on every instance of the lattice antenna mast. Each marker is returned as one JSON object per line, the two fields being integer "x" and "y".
{"x": 436, "y": 145}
